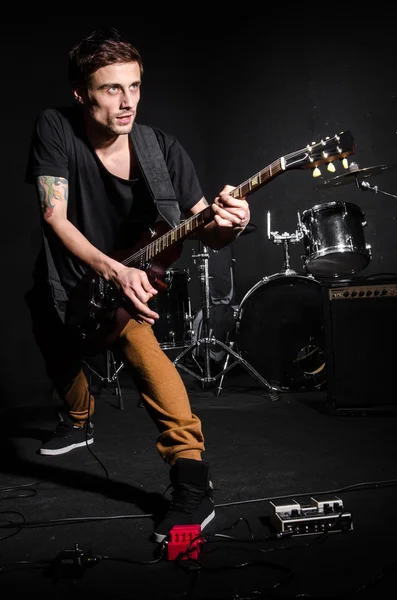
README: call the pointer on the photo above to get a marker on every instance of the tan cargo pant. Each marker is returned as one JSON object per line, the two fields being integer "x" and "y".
{"x": 157, "y": 380}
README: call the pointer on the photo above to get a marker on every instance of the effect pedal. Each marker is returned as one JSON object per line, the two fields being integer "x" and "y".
{"x": 320, "y": 516}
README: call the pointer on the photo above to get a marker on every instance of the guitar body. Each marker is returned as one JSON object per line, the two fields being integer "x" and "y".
{"x": 98, "y": 311}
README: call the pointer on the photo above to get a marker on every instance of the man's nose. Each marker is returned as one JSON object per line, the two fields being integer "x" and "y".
{"x": 127, "y": 100}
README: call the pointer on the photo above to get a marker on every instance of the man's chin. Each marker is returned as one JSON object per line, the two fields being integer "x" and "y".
{"x": 122, "y": 129}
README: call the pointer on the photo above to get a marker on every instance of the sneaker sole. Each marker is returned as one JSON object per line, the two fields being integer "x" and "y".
{"x": 159, "y": 537}
{"x": 57, "y": 451}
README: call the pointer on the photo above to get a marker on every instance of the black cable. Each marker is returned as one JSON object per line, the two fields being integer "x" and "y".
{"x": 348, "y": 488}
{"x": 352, "y": 487}
{"x": 17, "y": 526}
{"x": 87, "y": 426}
{"x": 25, "y": 563}
{"x": 26, "y": 494}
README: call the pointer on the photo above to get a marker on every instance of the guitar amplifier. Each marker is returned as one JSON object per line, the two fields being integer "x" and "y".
{"x": 360, "y": 326}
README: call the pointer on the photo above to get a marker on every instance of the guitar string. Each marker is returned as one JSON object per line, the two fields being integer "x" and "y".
{"x": 138, "y": 255}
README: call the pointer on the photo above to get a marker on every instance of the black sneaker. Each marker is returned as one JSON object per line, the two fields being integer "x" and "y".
{"x": 67, "y": 437}
{"x": 192, "y": 497}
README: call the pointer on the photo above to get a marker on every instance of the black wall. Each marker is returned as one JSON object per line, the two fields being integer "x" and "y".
{"x": 239, "y": 93}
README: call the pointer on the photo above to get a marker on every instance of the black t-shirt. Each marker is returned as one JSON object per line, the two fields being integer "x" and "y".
{"x": 112, "y": 213}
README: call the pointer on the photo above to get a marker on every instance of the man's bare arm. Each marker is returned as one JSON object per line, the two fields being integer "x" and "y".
{"x": 53, "y": 194}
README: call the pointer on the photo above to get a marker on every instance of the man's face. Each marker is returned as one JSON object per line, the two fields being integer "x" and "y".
{"x": 112, "y": 97}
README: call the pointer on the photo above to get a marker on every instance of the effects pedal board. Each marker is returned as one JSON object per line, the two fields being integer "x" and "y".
{"x": 320, "y": 516}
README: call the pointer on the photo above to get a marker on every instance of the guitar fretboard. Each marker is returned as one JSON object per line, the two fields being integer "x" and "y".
{"x": 167, "y": 240}
{"x": 190, "y": 225}
{"x": 254, "y": 183}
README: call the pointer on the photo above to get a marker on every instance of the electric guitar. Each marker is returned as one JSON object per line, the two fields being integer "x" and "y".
{"x": 98, "y": 311}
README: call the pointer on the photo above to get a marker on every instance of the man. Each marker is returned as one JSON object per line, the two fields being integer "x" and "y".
{"x": 92, "y": 165}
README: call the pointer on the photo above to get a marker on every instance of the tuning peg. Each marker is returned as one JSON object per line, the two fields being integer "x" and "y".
{"x": 331, "y": 167}
{"x": 345, "y": 163}
{"x": 316, "y": 172}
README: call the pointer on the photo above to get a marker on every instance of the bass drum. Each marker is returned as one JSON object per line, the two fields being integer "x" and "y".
{"x": 280, "y": 332}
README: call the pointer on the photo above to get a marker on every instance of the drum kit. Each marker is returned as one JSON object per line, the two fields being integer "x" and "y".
{"x": 286, "y": 307}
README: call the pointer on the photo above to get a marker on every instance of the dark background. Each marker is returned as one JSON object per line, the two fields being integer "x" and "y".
{"x": 239, "y": 92}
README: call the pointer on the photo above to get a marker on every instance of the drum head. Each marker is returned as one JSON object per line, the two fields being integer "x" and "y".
{"x": 279, "y": 331}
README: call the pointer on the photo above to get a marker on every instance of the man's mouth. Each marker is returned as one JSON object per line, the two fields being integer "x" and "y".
{"x": 124, "y": 118}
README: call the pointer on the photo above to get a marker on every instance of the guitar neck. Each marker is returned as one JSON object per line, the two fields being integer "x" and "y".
{"x": 259, "y": 179}
{"x": 189, "y": 226}
{"x": 171, "y": 238}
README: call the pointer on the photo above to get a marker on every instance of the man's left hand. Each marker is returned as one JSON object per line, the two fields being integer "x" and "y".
{"x": 231, "y": 212}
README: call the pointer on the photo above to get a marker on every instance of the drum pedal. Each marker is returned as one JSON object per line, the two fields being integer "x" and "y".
{"x": 320, "y": 516}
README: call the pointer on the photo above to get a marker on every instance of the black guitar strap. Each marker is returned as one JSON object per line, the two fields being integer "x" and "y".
{"x": 153, "y": 166}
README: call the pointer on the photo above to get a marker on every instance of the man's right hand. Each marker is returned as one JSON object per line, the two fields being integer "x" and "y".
{"x": 137, "y": 288}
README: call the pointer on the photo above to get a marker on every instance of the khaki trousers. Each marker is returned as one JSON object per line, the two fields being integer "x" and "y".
{"x": 157, "y": 380}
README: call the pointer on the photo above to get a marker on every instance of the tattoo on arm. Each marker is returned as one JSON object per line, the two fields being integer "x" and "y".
{"x": 50, "y": 190}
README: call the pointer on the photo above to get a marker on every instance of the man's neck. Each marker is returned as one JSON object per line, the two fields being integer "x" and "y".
{"x": 110, "y": 146}
{"x": 104, "y": 142}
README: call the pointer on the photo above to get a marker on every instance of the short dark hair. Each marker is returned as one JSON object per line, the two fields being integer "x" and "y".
{"x": 100, "y": 48}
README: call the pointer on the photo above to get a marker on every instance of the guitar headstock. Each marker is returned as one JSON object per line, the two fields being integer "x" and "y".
{"x": 326, "y": 151}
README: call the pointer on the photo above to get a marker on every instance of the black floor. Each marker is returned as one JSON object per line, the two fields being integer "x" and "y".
{"x": 79, "y": 525}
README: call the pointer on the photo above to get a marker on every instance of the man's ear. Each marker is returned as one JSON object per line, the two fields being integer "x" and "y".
{"x": 78, "y": 95}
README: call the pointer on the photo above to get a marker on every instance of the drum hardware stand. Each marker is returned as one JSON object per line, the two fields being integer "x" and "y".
{"x": 285, "y": 239}
{"x": 207, "y": 340}
{"x": 112, "y": 375}
{"x": 364, "y": 185}
{"x": 355, "y": 172}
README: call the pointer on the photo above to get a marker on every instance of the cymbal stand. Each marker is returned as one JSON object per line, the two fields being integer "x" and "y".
{"x": 207, "y": 340}
{"x": 364, "y": 185}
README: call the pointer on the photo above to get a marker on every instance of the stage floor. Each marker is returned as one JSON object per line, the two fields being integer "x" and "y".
{"x": 102, "y": 499}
